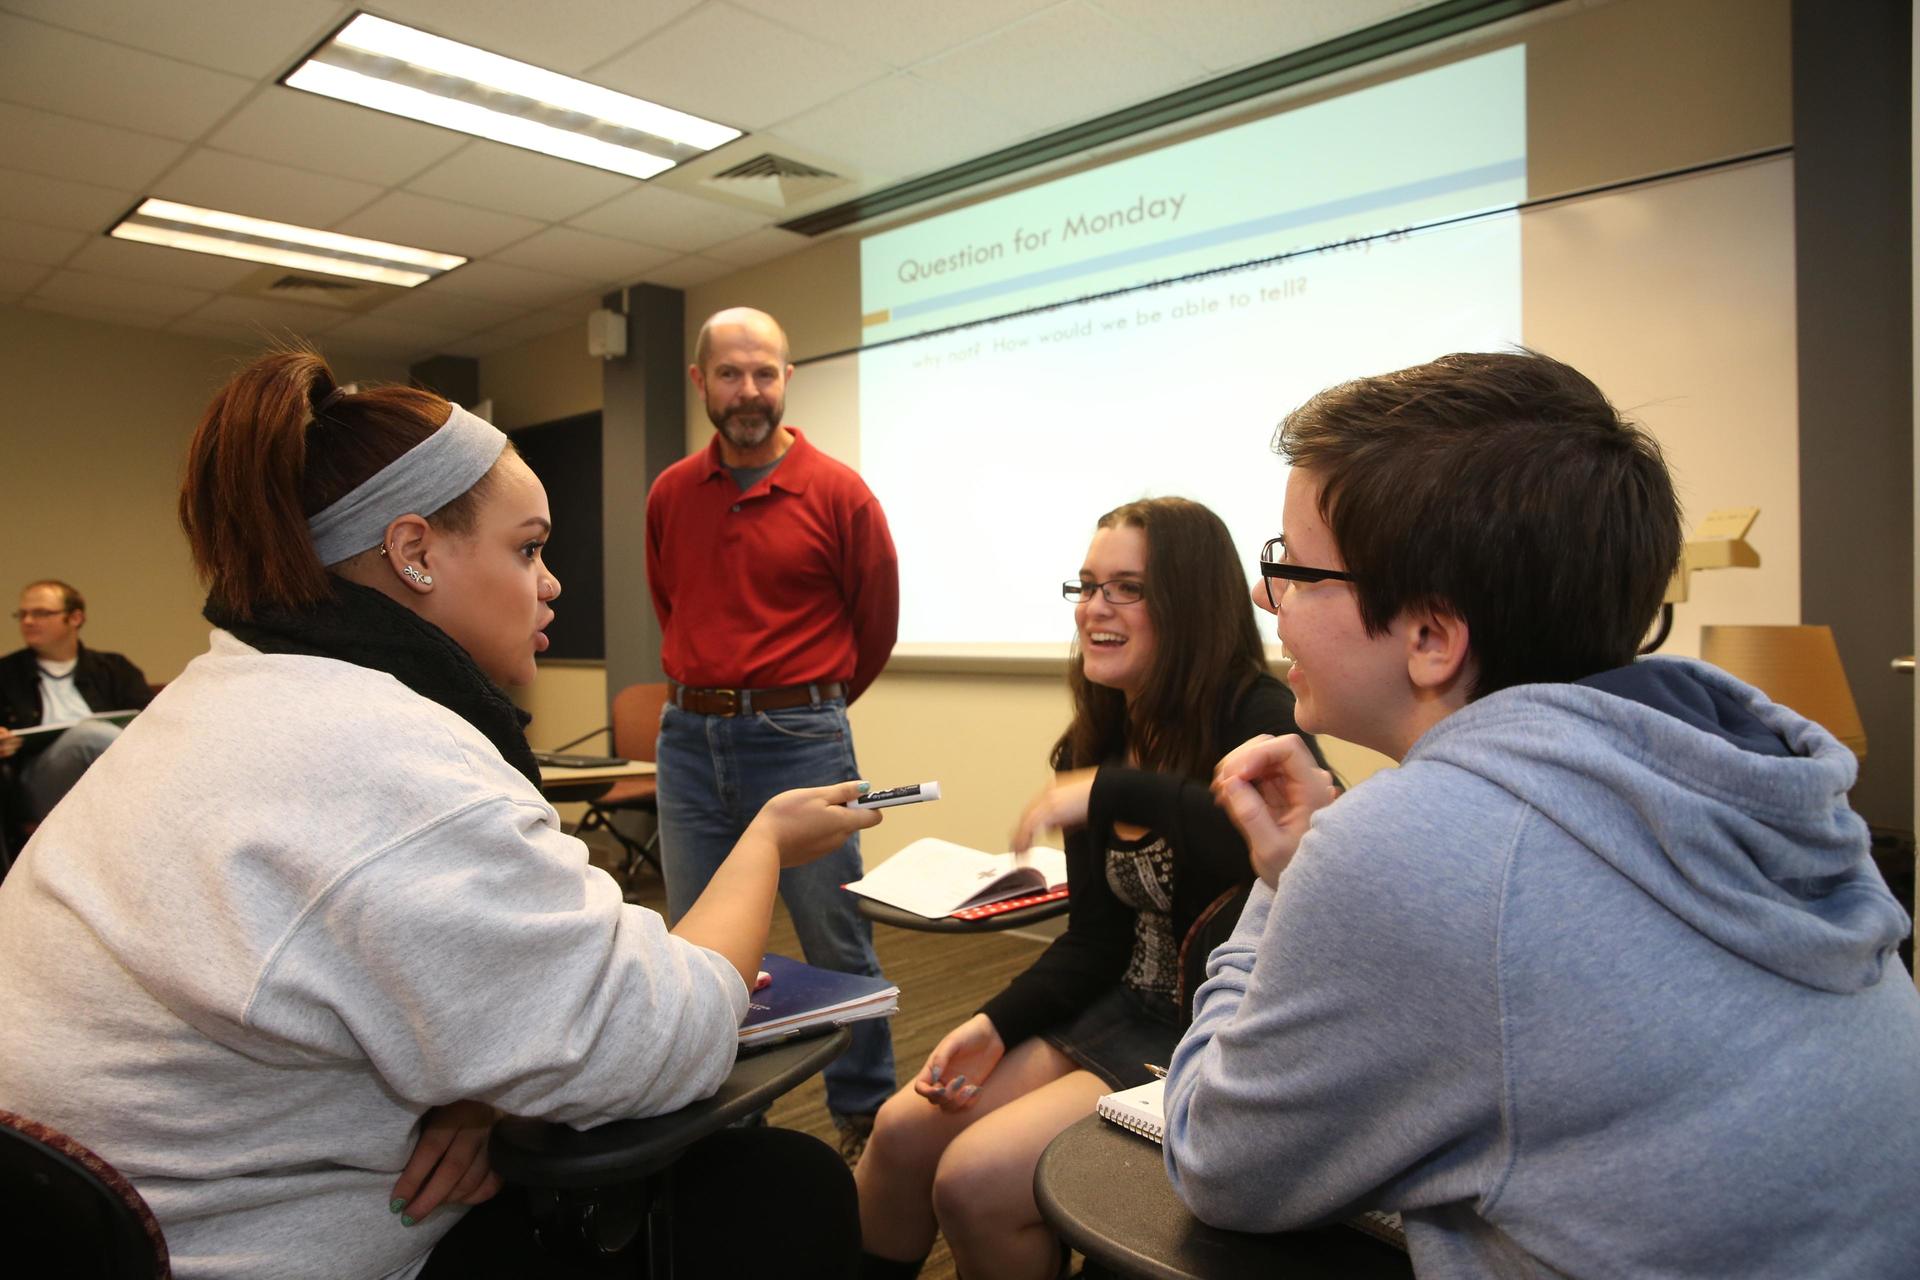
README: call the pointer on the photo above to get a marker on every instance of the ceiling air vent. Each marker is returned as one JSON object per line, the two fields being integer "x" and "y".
{"x": 769, "y": 181}
{"x": 314, "y": 289}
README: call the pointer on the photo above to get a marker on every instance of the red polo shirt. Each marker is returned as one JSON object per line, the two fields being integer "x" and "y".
{"x": 789, "y": 582}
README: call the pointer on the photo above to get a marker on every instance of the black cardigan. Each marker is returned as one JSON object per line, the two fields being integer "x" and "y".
{"x": 106, "y": 680}
{"x": 1209, "y": 857}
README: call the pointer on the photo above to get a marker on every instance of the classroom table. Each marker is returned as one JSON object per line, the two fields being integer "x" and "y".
{"x": 882, "y": 913}
{"x": 561, "y": 785}
{"x": 595, "y": 1189}
{"x": 1105, "y": 1191}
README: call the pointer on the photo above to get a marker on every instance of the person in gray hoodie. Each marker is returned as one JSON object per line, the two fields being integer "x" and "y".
{"x": 1599, "y": 982}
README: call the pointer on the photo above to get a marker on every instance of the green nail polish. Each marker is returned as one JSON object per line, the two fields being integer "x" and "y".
{"x": 396, "y": 1204}
{"x": 865, "y": 787}
{"x": 405, "y": 1220}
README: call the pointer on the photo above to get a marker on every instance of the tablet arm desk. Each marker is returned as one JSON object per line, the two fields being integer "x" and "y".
{"x": 594, "y": 1190}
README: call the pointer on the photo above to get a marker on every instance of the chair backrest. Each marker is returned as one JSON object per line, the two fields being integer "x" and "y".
{"x": 636, "y": 720}
{"x": 1209, "y": 929}
{"x": 58, "y": 1200}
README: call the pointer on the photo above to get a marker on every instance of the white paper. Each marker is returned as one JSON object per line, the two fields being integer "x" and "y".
{"x": 935, "y": 878}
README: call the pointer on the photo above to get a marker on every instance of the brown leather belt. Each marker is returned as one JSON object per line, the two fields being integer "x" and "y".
{"x": 745, "y": 702}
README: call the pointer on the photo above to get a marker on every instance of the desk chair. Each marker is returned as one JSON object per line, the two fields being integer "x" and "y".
{"x": 60, "y": 1200}
{"x": 636, "y": 735}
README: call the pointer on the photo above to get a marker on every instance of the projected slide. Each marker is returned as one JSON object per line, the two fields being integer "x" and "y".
{"x": 995, "y": 446}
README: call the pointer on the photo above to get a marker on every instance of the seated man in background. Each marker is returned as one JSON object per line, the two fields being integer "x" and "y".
{"x": 1600, "y": 980}
{"x": 58, "y": 680}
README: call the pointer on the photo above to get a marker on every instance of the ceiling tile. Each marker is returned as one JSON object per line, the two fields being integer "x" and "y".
{"x": 425, "y": 223}
{"x": 311, "y": 132}
{"x": 911, "y": 31}
{"x": 83, "y": 288}
{"x": 19, "y": 277}
{"x": 270, "y": 316}
{"x": 242, "y": 36}
{"x": 106, "y": 256}
{"x": 537, "y": 325}
{"x": 678, "y": 67}
{"x": 903, "y": 126}
{"x": 48, "y": 246}
{"x": 660, "y": 216}
{"x": 502, "y": 283}
{"x": 480, "y": 344}
{"x": 576, "y": 38}
{"x": 1021, "y": 69}
{"x": 241, "y": 184}
{"x": 596, "y": 259}
{"x": 762, "y": 245}
{"x": 197, "y": 327}
{"x": 94, "y": 311}
{"x": 684, "y": 273}
{"x": 447, "y": 311}
{"x": 507, "y": 179}
{"x": 62, "y": 147}
{"x": 413, "y": 336}
{"x": 122, "y": 86}
{"x": 55, "y": 202}
{"x": 1225, "y": 34}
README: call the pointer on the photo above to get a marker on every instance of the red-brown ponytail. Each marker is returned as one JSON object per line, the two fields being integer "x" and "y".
{"x": 266, "y": 457}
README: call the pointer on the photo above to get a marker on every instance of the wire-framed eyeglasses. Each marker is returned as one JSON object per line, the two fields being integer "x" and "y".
{"x": 1274, "y": 565}
{"x": 1113, "y": 590}
{"x": 39, "y": 615}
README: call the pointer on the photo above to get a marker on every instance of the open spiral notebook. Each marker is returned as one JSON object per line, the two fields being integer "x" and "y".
{"x": 1142, "y": 1109}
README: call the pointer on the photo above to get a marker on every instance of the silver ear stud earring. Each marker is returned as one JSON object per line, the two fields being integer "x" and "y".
{"x": 424, "y": 579}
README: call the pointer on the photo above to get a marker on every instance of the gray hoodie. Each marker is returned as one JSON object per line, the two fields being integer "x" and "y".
{"x": 1599, "y": 983}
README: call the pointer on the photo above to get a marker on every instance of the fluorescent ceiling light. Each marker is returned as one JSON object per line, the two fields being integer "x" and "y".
{"x": 234, "y": 235}
{"x": 383, "y": 65}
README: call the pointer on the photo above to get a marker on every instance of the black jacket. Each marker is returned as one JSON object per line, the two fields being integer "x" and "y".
{"x": 106, "y": 680}
{"x": 1209, "y": 858}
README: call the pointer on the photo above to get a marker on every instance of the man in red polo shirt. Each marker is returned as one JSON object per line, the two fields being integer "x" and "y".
{"x": 778, "y": 592}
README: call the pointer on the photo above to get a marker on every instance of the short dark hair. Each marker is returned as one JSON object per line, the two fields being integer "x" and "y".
{"x": 1504, "y": 489}
{"x": 1206, "y": 650}
{"x": 70, "y": 597}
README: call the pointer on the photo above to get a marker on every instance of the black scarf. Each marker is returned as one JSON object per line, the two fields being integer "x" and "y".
{"x": 361, "y": 626}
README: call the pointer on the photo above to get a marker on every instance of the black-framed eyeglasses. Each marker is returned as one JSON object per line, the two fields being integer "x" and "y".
{"x": 1113, "y": 591}
{"x": 39, "y": 615}
{"x": 1274, "y": 565}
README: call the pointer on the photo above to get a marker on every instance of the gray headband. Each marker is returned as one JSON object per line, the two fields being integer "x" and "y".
{"x": 419, "y": 482}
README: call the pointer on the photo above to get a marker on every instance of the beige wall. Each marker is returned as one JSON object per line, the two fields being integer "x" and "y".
{"x": 543, "y": 380}
{"x": 96, "y": 419}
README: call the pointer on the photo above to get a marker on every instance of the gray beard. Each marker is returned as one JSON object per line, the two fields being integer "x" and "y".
{"x": 741, "y": 436}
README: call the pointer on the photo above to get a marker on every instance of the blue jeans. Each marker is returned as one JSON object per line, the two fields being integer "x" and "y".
{"x": 51, "y": 774}
{"x": 714, "y": 774}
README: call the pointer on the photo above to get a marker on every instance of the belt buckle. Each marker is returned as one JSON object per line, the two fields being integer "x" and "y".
{"x": 730, "y": 699}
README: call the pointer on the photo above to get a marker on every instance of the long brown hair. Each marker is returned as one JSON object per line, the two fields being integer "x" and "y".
{"x": 275, "y": 447}
{"x": 1206, "y": 650}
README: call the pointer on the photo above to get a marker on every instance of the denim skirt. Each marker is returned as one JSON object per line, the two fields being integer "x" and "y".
{"x": 1117, "y": 1035}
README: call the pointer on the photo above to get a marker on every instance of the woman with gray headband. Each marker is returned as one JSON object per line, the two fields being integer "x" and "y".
{"x": 305, "y": 930}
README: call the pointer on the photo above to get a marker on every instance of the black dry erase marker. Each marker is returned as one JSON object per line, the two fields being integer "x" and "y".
{"x": 897, "y": 795}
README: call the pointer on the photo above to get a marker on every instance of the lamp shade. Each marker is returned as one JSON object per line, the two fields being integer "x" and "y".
{"x": 1798, "y": 667}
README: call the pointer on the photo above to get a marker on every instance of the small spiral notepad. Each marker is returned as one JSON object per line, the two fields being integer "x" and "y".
{"x": 1139, "y": 1109}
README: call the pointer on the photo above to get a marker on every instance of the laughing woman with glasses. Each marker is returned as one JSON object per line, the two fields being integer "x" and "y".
{"x": 1167, "y": 675}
